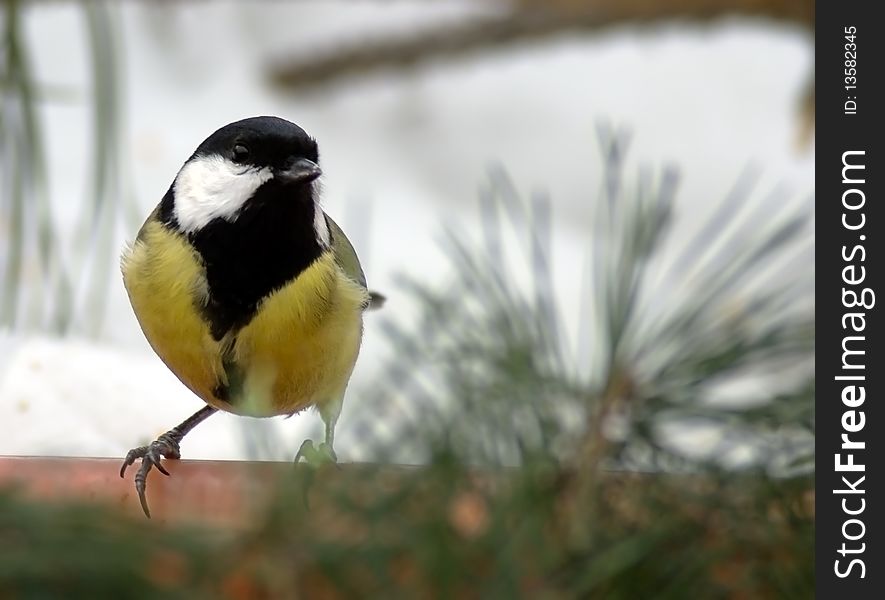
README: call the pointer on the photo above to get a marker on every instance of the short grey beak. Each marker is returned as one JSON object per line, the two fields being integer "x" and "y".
{"x": 301, "y": 171}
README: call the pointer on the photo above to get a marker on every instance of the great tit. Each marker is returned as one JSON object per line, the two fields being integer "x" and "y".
{"x": 245, "y": 288}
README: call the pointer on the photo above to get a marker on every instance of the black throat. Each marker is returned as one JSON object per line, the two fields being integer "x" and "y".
{"x": 267, "y": 246}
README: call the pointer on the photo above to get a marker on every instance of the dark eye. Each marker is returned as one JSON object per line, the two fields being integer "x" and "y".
{"x": 240, "y": 153}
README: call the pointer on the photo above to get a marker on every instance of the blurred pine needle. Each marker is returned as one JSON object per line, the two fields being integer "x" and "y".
{"x": 45, "y": 284}
{"x": 666, "y": 326}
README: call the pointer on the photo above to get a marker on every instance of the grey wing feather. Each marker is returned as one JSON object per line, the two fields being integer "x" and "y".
{"x": 345, "y": 255}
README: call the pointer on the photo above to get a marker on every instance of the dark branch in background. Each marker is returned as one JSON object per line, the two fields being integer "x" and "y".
{"x": 533, "y": 20}
{"x": 528, "y": 20}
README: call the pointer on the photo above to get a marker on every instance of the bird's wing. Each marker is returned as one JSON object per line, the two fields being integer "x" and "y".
{"x": 345, "y": 255}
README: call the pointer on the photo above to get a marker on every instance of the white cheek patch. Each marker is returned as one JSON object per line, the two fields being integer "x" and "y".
{"x": 209, "y": 187}
{"x": 320, "y": 227}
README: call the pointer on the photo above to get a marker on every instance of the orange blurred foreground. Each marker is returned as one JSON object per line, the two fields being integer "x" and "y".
{"x": 224, "y": 493}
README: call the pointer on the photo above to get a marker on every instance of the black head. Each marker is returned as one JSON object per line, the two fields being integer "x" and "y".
{"x": 261, "y": 142}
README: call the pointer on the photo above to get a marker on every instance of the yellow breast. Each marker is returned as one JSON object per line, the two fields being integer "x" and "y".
{"x": 298, "y": 350}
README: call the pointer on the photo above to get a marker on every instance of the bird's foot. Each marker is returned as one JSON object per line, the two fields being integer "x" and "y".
{"x": 316, "y": 455}
{"x": 167, "y": 445}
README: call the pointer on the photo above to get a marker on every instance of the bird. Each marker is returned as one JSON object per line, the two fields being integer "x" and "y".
{"x": 246, "y": 289}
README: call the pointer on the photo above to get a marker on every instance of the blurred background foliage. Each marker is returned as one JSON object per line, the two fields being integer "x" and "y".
{"x": 49, "y": 282}
{"x": 555, "y": 462}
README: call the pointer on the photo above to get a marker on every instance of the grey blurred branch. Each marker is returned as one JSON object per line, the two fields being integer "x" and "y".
{"x": 526, "y": 20}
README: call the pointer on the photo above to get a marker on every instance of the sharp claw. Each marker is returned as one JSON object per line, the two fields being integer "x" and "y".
{"x": 131, "y": 457}
{"x": 144, "y": 505}
{"x": 141, "y": 483}
{"x": 151, "y": 456}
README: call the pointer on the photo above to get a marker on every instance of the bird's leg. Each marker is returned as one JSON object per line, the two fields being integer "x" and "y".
{"x": 328, "y": 443}
{"x": 324, "y": 453}
{"x": 164, "y": 446}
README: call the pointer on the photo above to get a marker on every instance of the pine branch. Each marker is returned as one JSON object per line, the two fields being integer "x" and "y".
{"x": 527, "y": 20}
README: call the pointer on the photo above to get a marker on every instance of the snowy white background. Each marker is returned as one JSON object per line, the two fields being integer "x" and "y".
{"x": 407, "y": 150}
